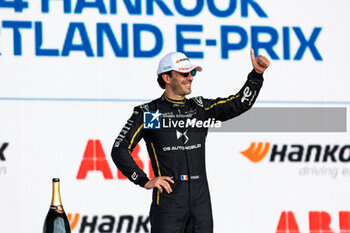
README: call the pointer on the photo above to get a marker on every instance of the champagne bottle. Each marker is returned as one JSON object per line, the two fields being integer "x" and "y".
{"x": 56, "y": 219}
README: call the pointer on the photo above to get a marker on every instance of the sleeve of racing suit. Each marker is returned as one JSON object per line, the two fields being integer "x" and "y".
{"x": 226, "y": 108}
{"x": 127, "y": 139}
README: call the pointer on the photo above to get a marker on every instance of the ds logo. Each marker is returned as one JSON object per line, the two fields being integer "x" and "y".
{"x": 151, "y": 120}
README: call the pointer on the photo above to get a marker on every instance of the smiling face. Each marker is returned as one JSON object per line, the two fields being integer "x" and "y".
{"x": 180, "y": 85}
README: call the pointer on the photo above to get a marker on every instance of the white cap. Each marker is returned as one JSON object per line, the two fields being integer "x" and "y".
{"x": 176, "y": 61}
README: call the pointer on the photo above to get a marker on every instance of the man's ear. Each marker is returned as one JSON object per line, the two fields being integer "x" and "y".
{"x": 166, "y": 78}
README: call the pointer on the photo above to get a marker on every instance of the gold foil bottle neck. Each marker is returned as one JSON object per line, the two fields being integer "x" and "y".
{"x": 56, "y": 197}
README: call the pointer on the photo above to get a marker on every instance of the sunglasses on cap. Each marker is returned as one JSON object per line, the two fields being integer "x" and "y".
{"x": 193, "y": 73}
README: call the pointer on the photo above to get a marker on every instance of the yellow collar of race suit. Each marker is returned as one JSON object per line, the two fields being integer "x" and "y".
{"x": 174, "y": 101}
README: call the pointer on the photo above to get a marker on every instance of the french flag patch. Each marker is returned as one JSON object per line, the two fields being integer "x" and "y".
{"x": 184, "y": 177}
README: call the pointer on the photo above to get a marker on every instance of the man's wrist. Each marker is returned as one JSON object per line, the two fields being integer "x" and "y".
{"x": 257, "y": 72}
{"x": 256, "y": 75}
{"x": 143, "y": 181}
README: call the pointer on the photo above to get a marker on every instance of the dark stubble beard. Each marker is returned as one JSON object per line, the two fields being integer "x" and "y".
{"x": 176, "y": 87}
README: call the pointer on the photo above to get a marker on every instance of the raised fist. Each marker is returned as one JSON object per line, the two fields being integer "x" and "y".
{"x": 259, "y": 63}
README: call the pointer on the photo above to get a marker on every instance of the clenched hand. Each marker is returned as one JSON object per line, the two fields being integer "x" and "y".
{"x": 260, "y": 63}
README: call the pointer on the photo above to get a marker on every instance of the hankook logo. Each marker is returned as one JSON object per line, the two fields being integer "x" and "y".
{"x": 3, "y": 169}
{"x": 109, "y": 223}
{"x": 2, "y": 149}
{"x": 256, "y": 151}
{"x": 298, "y": 152}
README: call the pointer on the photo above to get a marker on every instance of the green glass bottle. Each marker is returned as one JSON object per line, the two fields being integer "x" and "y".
{"x": 56, "y": 219}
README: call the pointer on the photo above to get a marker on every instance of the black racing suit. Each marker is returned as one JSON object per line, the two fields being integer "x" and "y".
{"x": 177, "y": 150}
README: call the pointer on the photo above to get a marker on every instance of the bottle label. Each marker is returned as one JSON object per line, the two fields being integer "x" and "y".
{"x": 58, "y": 209}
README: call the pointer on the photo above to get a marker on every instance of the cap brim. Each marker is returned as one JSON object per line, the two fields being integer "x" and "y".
{"x": 189, "y": 69}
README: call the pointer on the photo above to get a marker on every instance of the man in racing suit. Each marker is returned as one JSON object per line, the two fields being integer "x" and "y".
{"x": 175, "y": 129}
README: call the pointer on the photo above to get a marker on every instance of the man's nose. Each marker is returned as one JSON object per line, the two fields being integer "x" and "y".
{"x": 190, "y": 77}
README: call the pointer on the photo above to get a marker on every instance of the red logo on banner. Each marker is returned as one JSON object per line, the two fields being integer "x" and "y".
{"x": 319, "y": 222}
{"x": 287, "y": 223}
{"x": 256, "y": 153}
{"x": 344, "y": 221}
{"x": 94, "y": 159}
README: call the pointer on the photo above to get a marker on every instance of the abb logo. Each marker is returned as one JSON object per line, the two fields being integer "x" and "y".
{"x": 319, "y": 222}
{"x": 94, "y": 159}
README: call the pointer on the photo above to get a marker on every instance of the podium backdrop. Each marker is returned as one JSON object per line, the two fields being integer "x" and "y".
{"x": 72, "y": 71}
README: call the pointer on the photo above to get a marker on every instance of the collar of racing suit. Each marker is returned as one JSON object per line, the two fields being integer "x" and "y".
{"x": 173, "y": 103}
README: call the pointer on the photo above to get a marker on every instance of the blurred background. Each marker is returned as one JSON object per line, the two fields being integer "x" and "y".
{"x": 72, "y": 71}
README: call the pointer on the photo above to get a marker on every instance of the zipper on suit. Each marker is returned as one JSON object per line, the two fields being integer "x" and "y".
{"x": 188, "y": 167}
